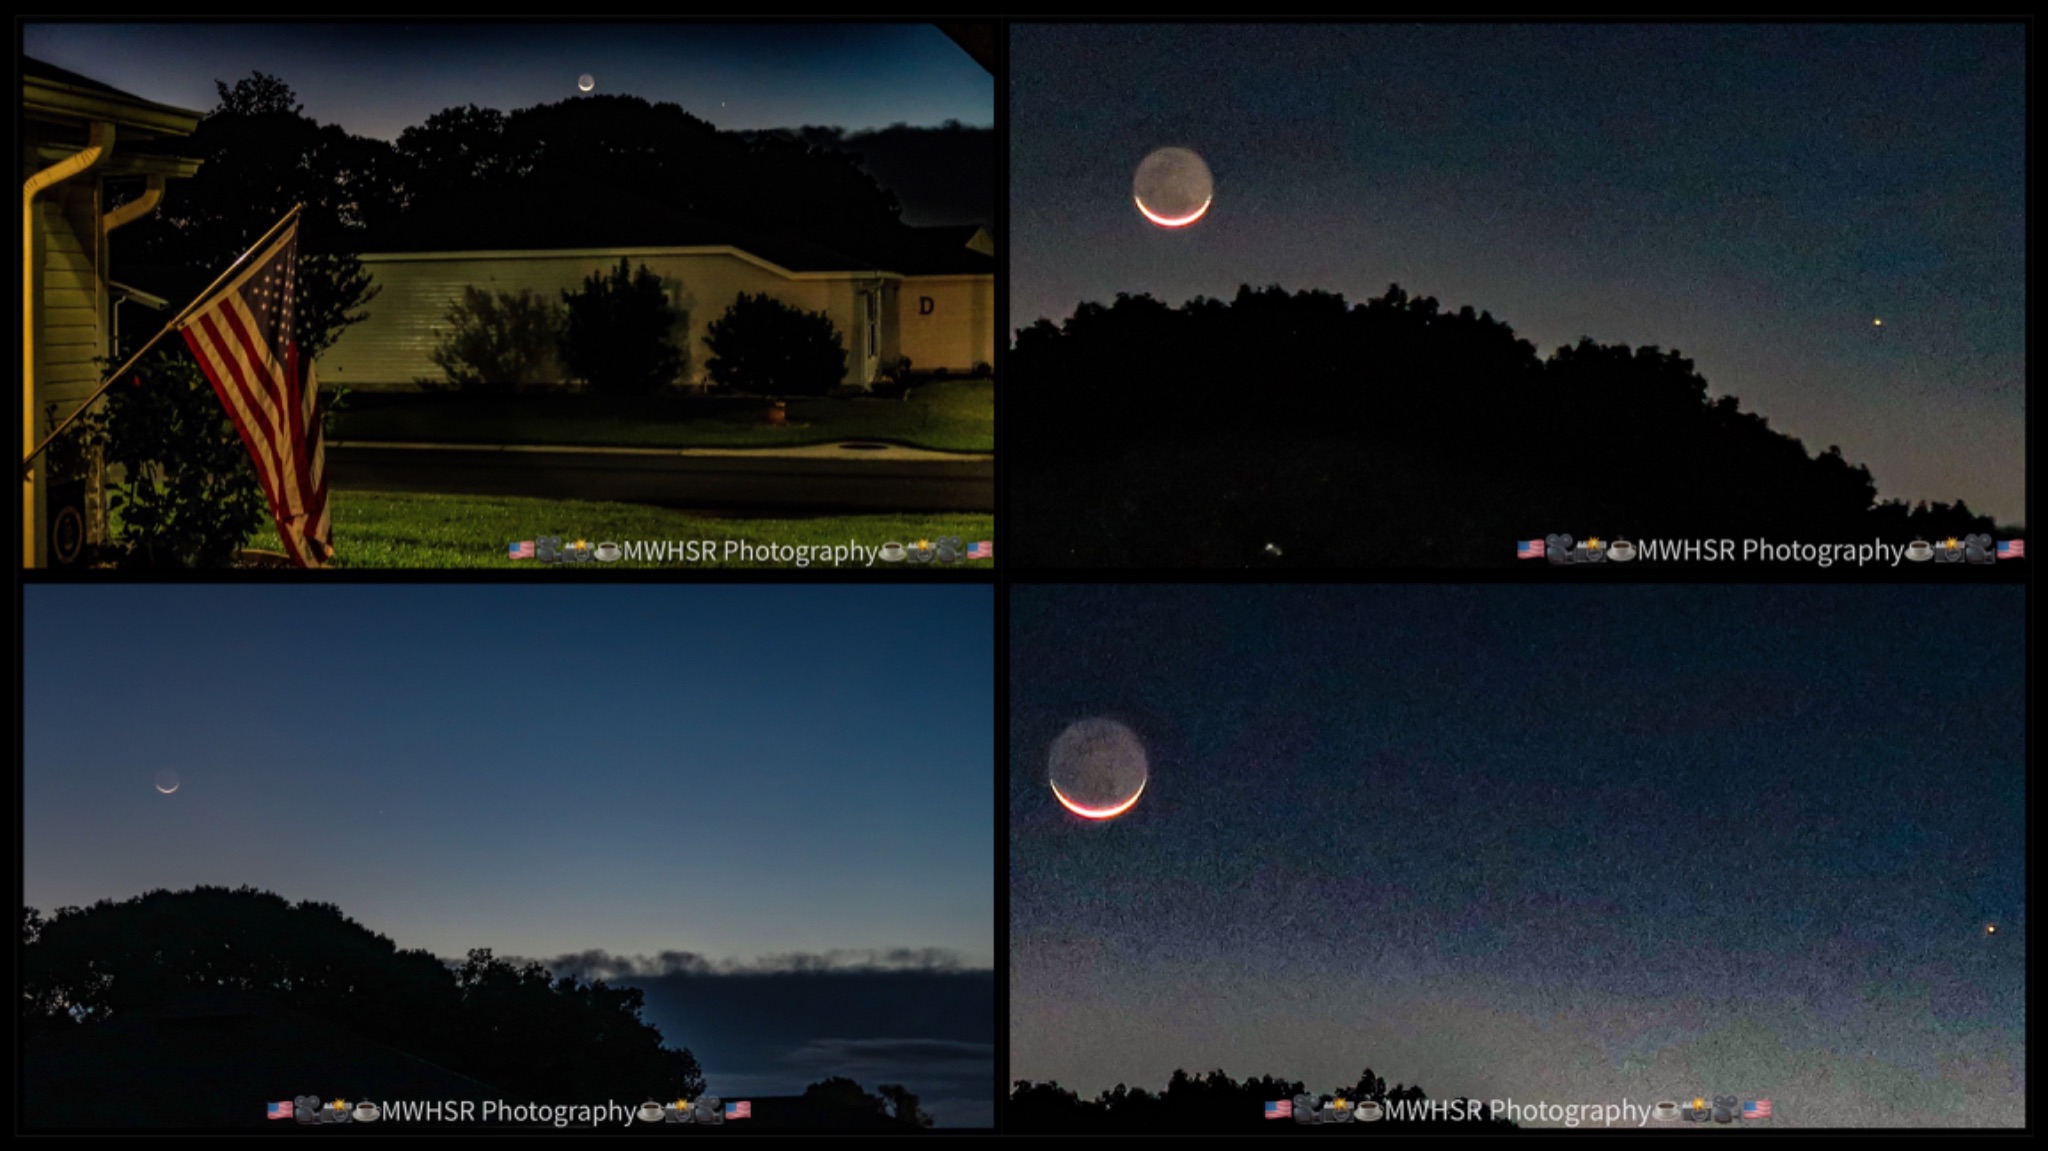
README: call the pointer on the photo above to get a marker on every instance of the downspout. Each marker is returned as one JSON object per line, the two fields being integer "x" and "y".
{"x": 135, "y": 209}
{"x": 99, "y": 142}
{"x": 128, "y": 213}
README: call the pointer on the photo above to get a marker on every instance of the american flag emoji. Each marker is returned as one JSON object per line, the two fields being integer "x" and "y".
{"x": 1757, "y": 1109}
{"x": 2012, "y": 549}
{"x": 523, "y": 550}
{"x": 1283, "y": 1109}
{"x": 984, "y": 550}
{"x": 278, "y": 1110}
{"x": 739, "y": 1110}
{"x": 1528, "y": 549}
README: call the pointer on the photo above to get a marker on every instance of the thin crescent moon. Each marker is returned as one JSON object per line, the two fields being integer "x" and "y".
{"x": 167, "y": 790}
{"x": 1173, "y": 221}
{"x": 1097, "y": 812}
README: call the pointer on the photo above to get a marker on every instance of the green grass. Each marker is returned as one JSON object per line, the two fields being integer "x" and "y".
{"x": 396, "y": 530}
{"x": 944, "y": 415}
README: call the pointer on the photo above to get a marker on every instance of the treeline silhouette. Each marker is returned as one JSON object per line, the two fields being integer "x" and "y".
{"x": 1212, "y": 1102}
{"x": 1392, "y": 432}
{"x": 592, "y": 171}
{"x": 548, "y": 1040}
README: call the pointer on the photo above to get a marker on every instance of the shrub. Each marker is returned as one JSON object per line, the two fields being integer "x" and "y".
{"x": 189, "y": 496}
{"x": 620, "y": 333}
{"x": 766, "y": 347}
{"x": 499, "y": 341}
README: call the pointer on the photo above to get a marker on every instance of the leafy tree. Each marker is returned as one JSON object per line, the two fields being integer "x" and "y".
{"x": 1207, "y": 432}
{"x": 1207, "y": 1103}
{"x": 260, "y": 154}
{"x": 186, "y": 493}
{"x": 498, "y": 341}
{"x": 904, "y": 1105}
{"x": 763, "y": 346}
{"x": 619, "y": 336}
{"x": 846, "y": 1093}
{"x": 563, "y": 1040}
{"x": 891, "y": 1099}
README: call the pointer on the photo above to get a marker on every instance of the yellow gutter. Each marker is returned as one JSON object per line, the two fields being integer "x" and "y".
{"x": 99, "y": 142}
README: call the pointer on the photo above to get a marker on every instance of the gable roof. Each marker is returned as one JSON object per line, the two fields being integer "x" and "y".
{"x": 54, "y": 94}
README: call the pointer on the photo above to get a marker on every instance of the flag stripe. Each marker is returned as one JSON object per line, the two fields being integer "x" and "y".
{"x": 245, "y": 342}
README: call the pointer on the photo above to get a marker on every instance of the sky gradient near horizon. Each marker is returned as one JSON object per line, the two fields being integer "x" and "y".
{"x": 740, "y": 773}
{"x": 1564, "y": 844}
{"x": 377, "y": 79}
{"x": 1753, "y": 196}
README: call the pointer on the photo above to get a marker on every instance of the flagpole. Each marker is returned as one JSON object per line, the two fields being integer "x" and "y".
{"x": 168, "y": 328}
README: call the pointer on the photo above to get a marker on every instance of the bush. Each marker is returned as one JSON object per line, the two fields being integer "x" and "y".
{"x": 620, "y": 333}
{"x": 499, "y": 341}
{"x": 189, "y": 496}
{"x": 766, "y": 347}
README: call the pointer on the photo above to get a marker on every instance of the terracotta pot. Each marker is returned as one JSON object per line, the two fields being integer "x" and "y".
{"x": 777, "y": 413}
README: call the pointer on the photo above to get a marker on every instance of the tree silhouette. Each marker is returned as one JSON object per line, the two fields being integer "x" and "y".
{"x": 608, "y": 170}
{"x": 1207, "y": 1103}
{"x": 1391, "y": 432}
{"x": 904, "y": 1105}
{"x": 766, "y": 347}
{"x": 619, "y": 334}
{"x": 563, "y": 1040}
{"x": 260, "y": 154}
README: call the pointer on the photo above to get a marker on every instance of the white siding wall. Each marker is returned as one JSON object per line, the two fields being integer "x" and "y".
{"x": 72, "y": 334}
{"x": 959, "y": 331}
{"x": 390, "y": 349}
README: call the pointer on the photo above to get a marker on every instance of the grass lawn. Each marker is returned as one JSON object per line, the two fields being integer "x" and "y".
{"x": 397, "y": 530}
{"x": 943, "y": 415}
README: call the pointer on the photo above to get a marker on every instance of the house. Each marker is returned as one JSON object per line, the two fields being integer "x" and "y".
{"x": 77, "y": 136}
{"x": 926, "y": 293}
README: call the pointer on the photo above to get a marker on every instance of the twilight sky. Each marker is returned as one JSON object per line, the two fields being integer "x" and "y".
{"x": 1752, "y": 196}
{"x": 1574, "y": 844}
{"x": 742, "y": 795}
{"x": 379, "y": 79}
{"x": 731, "y": 771}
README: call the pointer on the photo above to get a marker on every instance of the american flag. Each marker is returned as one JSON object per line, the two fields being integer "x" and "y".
{"x": 1528, "y": 549}
{"x": 523, "y": 550}
{"x": 248, "y": 347}
{"x": 1283, "y": 1109}
{"x": 2012, "y": 549}
{"x": 984, "y": 550}
{"x": 739, "y": 1110}
{"x": 1757, "y": 1109}
{"x": 279, "y": 1110}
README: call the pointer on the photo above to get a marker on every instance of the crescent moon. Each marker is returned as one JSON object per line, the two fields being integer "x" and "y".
{"x": 1097, "y": 812}
{"x": 167, "y": 790}
{"x": 1173, "y": 221}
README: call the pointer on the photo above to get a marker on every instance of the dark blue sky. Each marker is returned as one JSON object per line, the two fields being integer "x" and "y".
{"x": 379, "y": 79}
{"x": 738, "y": 773}
{"x": 1752, "y": 196}
{"x": 1566, "y": 844}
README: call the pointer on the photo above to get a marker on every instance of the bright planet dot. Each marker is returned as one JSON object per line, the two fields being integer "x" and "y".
{"x": 1991, "y": 929}
{"x": 1877, "y": 323}
{"x": 167, "y": 781}
{"x": 585, "y": 82}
